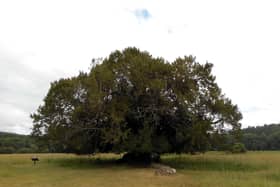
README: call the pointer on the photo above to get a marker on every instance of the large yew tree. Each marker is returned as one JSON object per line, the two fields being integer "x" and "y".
{"x": 132, "y": 102}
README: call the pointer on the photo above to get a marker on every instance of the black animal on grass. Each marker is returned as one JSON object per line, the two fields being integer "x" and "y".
{"x": 35, "y": 159}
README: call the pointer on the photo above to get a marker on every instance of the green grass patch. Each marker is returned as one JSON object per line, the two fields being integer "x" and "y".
{"x": 259, "y": 169}
{"x": 205, "y": 164}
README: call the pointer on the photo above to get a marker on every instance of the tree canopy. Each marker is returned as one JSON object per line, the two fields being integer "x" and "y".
{"x": 133, "y": 102}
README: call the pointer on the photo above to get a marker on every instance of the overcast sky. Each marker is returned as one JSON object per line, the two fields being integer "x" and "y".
{"x": 41, "y": 41}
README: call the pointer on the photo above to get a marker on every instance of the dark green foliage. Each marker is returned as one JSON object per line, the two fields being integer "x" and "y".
{"x": 135, "y": 103}
{"x": 238, "y": 148}
{"x": 265, "y": 137}
{"x": 221, "y": 141}
{"x": 15, "y": 143}
{"x": 7, "y": 150}
{"x": 265, "y": 129}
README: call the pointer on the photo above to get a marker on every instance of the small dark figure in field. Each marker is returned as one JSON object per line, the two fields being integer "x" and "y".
{"x": 35, "y": 159}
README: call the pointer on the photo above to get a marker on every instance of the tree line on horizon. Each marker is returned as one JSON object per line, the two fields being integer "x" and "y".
{"x": 265, "y": 137}
{"x": 260, "y": 138}
{"x": 18, "y": 143}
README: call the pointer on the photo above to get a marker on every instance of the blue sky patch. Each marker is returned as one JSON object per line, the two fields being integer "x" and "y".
{"x": 142, "y": 14}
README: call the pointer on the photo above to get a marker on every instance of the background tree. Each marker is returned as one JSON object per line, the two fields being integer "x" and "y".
{"x": 15, "y": 143}
{"x": 135, "y": 103}
{"x": 265, "y": 137}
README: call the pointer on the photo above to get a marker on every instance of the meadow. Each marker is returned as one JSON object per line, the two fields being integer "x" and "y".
{"x": 217, "y": 169}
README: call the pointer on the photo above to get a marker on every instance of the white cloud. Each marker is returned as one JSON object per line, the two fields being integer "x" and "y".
{"x": 41, "y": 41}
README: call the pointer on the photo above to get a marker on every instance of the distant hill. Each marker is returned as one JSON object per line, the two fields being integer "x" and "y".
{"x": 266, "y": 129}
{"x": 17, "y": 143}
{"x": 265, "y": 137}
{"x": 9, "y": 134}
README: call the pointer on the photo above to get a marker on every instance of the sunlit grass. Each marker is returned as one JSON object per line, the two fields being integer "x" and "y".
{"x": 215, "y": 169}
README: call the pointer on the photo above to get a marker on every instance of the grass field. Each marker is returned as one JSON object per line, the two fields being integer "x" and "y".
{"x": 213, "y": 169}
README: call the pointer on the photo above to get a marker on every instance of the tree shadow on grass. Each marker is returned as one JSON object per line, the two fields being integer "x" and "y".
{"x": 94, "y": 163}
{"x": 210, "y": 165}
{"x": 181, "y": 163}
{"x": 273, "y": 177}
{"x": 84, "y": 163}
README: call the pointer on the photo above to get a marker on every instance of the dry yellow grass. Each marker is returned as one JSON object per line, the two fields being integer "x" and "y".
{"x": 212, "y": 169}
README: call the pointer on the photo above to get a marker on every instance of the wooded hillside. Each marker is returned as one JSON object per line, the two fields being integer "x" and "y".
{"x": 265, "y": 137}
{"x": 17, "y": 143}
